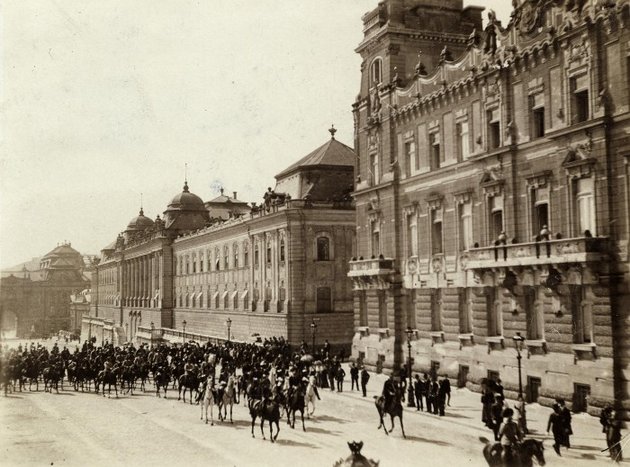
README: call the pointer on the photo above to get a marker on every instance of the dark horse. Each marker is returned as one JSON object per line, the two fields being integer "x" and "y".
{"x": 528, "y": 450}
{"x": 52, "y": 375}
{"x": 265, "y": 410}
{"x": 188, "y": 381}
{"x": 161, "y": 378}
{"x": 394, "y": 409}
{"x": 295, "y": 402}
{"x": 108, "y": 377}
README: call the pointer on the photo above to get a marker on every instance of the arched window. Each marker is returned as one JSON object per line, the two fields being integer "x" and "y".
{"x": 217, "y": 260}
{"x": 235, "y": 255}
{"x": 226, "y": 257}
{"x": 186, "y": 300}
{"x": 268, "y": 259}
{"x": 201, "y": 261}
{"x": 282, "y": 255}
{"x": 323, "y": 249}
{"x": 194, "y": 300}
{"x": 376, "y": 72}
{"x": 246, "y": 254}
{"x": 194, "y": 264}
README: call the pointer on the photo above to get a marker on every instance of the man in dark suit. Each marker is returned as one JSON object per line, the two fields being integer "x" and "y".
{"x": 354, "y": 376}
{"x": 365, "y": 377}
{"x": 419, "y": 391}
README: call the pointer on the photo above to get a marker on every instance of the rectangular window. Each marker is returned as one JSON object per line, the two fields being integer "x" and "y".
{"x": 256, "y": 256}
{"x": 268, "y": 252}
{"x": 463, "y": 141}
{"x": 540, "y": 209}
{"x": 323, "y": 249}
{"x": 246, "y": 256}
{"x": 382, "y": 310}
{"x": 495, "y": 209}
{"x": 434, "y": 141}
{"x": 537, "y": 108}
{"x": 412, "y": 235}
{"x": 436, "y": 310}
{"x": 363, "y": 310}
{"x": 324, "y": 300}
{"x": 465, "y": 226}
{"x": 585, "y": 205}
{"x": 436, "y": 231}
{"x": 374, "y": 173}
{"x": 282, "y": 250}
{"x": 194, "y": 266}
{"x": 376, "y": 238}
{"x": 201, "y": 264}
{"x": 494, "y": 128}
{"x": 534, "y": 313}
{"x": 465, "y": 311}
{"x": 580, "y": 111}
{"x": 582, "y": 317}
{"x": 410, "y": 149}
{"x": 282, "y": 296}
{"x": 494, "y": 310}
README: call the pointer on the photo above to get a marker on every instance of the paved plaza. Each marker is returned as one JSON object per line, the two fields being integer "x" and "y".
{"x": 85, "y": 429}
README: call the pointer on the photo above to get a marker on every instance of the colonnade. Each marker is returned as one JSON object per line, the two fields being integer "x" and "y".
{"x": 141, "y": 280}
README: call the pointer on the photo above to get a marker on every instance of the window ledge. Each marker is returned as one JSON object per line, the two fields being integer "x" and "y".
{"x": 466, "y": 340}
{"x": 536, "y": 347}
{"x": 437, "y": 337}
{"x": 584, "y": 351}
{"x": 495, "y": 343}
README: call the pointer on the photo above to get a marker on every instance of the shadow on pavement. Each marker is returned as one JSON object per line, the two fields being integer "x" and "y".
{"x": 426, "y": 440}
{"x": 328, "y": 418}
{"x": 290, "y": 442}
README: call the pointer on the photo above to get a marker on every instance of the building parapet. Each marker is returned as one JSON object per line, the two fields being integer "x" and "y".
{"x": 372, "y": 273}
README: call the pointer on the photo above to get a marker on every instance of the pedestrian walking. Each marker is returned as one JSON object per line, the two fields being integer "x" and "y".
{"x": 332, "y": 374}
{"x": 565, "y": 415}
{"x": 418, "y": 389}
{"x": 365, "y": 377}
{"x": 497, "y": 415}
{"x": 434, "y": 394}
{"x": 613, "y": 436}
{"x": 510, "y": 437}
{"x": 341, "y": 374}
{"x": 442, "y": 395}
{"x": 447, "y": 389}
{"x": 354, "y": 376}
{"x": 426, "y": 388}
{"x": 557, "y": 428}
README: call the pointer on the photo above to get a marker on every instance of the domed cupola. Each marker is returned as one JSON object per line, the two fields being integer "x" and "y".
{"x": 139, "y": 223}
{"x": 185, "y": 212}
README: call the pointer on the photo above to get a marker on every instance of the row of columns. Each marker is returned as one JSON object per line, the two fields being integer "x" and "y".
{"x": 140, "y": 279}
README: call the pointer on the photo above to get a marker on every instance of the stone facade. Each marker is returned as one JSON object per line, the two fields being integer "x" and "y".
{"x": 492, "y": 196}
{"x": 272, "y": 269}
{"x": 36, "y": 303}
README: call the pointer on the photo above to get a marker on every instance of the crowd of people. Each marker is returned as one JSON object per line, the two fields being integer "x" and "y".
{"x": 266, "y": 369}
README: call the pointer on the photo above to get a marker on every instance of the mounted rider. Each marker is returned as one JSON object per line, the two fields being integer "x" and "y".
{"x": 190, "y": 368}
{"x": 510, "y": 437}
{"x": 389, "y": 391}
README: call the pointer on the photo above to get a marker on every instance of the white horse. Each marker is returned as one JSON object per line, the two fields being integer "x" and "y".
{"x": 229, "y": 398}
{"x": 310, "y": 396}
{"x": 208, "y": 400}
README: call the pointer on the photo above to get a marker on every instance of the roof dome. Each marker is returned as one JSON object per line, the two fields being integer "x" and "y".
{"x": 186, "y": 211}
{"x": 140, "y": 222}
{"x": 186, "y": 200}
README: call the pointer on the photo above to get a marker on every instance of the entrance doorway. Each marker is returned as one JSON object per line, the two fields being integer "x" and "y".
{"x": 462, "y": 376}
{"x": 580, "y": 397}
{"x": 533, "y": 389}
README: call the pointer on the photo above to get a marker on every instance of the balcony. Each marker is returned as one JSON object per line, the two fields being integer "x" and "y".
{"x": 372, "y": 273}
{"x": 546, "y": 252}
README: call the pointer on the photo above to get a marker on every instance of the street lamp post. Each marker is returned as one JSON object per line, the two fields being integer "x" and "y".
{"x": 184, "y": 332}
{"x": 228, "y": 322}
{"x": 313, "y": 331}
{"x": 410, "y": 392}
{"x": 518, "y": 344}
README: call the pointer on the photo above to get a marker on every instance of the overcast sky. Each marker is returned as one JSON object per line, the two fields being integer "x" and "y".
{"x": 103, "y": 100}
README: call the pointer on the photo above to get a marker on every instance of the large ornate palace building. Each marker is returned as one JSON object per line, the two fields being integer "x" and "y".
{"x": 226, "y": 269}
{"x": 493, "y": 195}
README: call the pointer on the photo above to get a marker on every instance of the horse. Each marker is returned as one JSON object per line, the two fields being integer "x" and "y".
{"x": 209, "y": 398}
{"x": 31, "y": 373}
{"x": 108, "y": 377}
{"x": 310, "y": 396}
{"x": 161, "y": 378}
{"x": 188, "y": 381}
{"x": 142, "y": 372}
{"x": 527, "y": 451}
{"x": 394, "y": 409}
{"x": 128, "y": 378}
{"x": 295, "y": 402}
{"x": 52, "y": 375}
{"x": 229, "y": 398}
{"x": 265, "y": 410}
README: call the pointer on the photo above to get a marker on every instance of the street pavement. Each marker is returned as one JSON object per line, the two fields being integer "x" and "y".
{"x": 85, "y": 429}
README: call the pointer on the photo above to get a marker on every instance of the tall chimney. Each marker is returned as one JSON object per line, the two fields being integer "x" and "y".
{"x": 234, "y": 192}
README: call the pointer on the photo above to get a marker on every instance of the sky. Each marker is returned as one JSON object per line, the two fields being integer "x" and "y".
{"x": 103, "y": 101}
